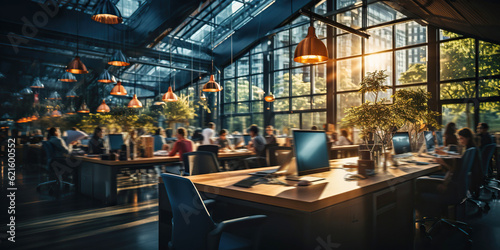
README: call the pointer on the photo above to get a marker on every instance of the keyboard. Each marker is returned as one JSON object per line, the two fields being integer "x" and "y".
{"x": 248, "y": 182}
{"x": 303, "y": 178}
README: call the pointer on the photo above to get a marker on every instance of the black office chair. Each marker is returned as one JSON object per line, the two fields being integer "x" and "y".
{"x": 196, "y": 229}
{"x": 52, "y": 166}
{"x": 455, "y": 195}
{"x": 200, "y": 162}
{"x": 209, "y": 148}
{"x": 487, "y": 156}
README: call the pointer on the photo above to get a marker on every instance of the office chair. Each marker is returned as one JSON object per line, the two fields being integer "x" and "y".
{"x": 260, "y": 160}
{"x": 273, "y": 155}
{"x": 200, "y": 162}
{"x": 196, "y": 229}
{"x": 51, "y": 164}
{"x": 487, "y": 156}
{"x": 209, "y": 148}
{"x": 457, "y": 195}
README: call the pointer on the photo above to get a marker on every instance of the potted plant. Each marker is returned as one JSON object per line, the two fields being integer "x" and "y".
{"x": 411, "y": 106}
{"x": 376, "y": 119}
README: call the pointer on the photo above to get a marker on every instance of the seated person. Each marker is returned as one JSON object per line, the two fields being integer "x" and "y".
{"x": 257, "y": 144}
{"x": 449, "y": 134}
{"x": 182, "y": 145}
{"x": 466, "y": 141}
{"x": 484, "y": 138}
{"x": 96, "y": 143}
{"x": 270, "y": 138}
{"x": 223, "y": 142}
{"x": 61, "y": 150}
{"x": 160, "y": 136}
{"x": 343, "y": 140}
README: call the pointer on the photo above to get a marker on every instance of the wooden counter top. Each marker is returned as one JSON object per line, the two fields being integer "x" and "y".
{"x": 333, "y": 190}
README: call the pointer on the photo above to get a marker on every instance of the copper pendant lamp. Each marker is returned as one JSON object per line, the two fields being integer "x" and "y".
{"x": 311, "y": 50}
{"x": 76, "y": 66}
{"x": 119, "y": 59}
{"x": 270, "y": 97}
{"x": 107, "y": 13}
{"x": 169, "y": 96}
{"x": 26, "y": 91}
{"x": 68, "y": 77}
{"x": 71, "y": 111}
{"x": 56, "y": 113}
{"x": 83, "y": 108}
{"x": 37, "y": 84}
{"x": 135, "y": 103}
{"x": 34, "y": 118}
{"x": 118, "y": 89}
{"x": 106, "y": 77}
{"x": 54, "y": 96}
{"x": 103, "y": 108}
{"x": 71, "y": 94}
{"x": 212, "y": 85}
{"x": 28, "y": 119}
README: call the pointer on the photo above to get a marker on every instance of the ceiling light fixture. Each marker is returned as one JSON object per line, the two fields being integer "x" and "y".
{"x": 107, "y": 13}
{"x": 83, "y": 108}
{"x": 118, "y": 89}
{"x": 76, "y": 66}
{"x": 270, "y": 97}
{"x": 103, "y": 108}
{"x": 37, "y": 84}
{"x": 311, "y": 50}
{"x": 119, "y": 59}
{"x": 106, "y": 77}
{"x": 212, "y": 85}
{"x": 67, "y": 77}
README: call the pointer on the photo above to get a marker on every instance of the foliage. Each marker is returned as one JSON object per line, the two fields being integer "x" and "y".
{"x": 180, "y": 111}
{"x": 373, "y": 83}
{"x": 120, "y": 119}
{"x": 410, "y": 105}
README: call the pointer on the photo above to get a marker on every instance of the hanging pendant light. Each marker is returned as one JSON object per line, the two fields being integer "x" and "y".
{"x": 169, "y": 96}
{"x": 26, "y": 91}
{"x": 34, "y": 117}
{"x": 118, "y": 89}
{"x": 54, "y": 96}
{"x": 311, "y": 49}
{"x": 135, "y": 103}
{"x": 107, "y": 13}
{"x": 270, "y": 97}
{"x": 119, "y": 59}
{"x": 106, "y": 77}
{"x": 37, "y": 84}
{"x": 212, "y": 85}
{"x": 71, "y": 94}
{"x": 71, "y": 111}
{"x": 56, "y": 113}
{"x": 76, "y": 66}
{"x": 22, "y": 120}
{"x": 67, "y": 77}
{"x": 103, "y": 108}
{"x": 28, "y": 119}
{"x": 83, "y": 108}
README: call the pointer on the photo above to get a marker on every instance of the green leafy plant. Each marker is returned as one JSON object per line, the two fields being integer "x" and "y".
{"x": 180, "y": 111}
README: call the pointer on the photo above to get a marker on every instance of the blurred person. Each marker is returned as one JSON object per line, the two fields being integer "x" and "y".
{"x": 483, "y": 136}
{"x": 96, "y": 143}
{"x": 182, "y": 145}
{"x": 257, "y": 144}
{"x": 343, "y": 140}
{"x": 61, "y": 150}
{"x": 450, "y": 138}
{"x": 208, "y": 134}
{"x": 270, "y": 138}
{"x": 223, "y": 142}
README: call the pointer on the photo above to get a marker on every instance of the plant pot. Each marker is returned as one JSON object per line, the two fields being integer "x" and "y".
{"x": 365, "y": 155}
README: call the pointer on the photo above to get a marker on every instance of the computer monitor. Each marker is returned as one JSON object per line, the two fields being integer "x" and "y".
{"x": 311, "y": 151}
{"x": 115, "y": 141}
{"x": 247, "y": 139}
{"x": 85, "y": 142}
{"x": 401, "y": 143}
{"x": 429, "y": 141}
{"x": 439, "y": 138}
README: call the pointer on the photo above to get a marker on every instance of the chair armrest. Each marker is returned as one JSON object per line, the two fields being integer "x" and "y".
{"x": 210, "y": 204}
{"x": 229, "y": 225}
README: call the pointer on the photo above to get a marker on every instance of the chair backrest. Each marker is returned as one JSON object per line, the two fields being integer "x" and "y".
{"x": 159, "y": 140}
{"x": 274, "y": 154}
{"x": 49, "y": 151}
{"x": 487, "y": 155}
{"x": 461, "y": 177}
{"x": 209, "y": 148}
{"x": 200, "y": 162}
{"x": 191, "y": 221}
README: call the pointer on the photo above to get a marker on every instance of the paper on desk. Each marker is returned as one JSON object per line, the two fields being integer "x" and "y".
{"x": 74, "y": 135}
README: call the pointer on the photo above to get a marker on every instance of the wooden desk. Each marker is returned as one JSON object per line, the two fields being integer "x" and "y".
{"x": 374, "y": 213}
{"x": 97, "y": 178}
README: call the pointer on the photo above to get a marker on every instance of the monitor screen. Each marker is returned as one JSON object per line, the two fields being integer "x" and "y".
{"x": 247, "y": 139}
{"x": 439, "y": 138}
{"x": 311, "y": 151}
{"x": 85, "y": 142}
{"x": 429, "y": 141}
{"x": 401, "y": 143}
{"x": 115, "y": 141}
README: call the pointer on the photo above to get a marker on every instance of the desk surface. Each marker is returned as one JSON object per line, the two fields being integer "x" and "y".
{"x": 157, "y": 159}
{"x": 333, "y": 190}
